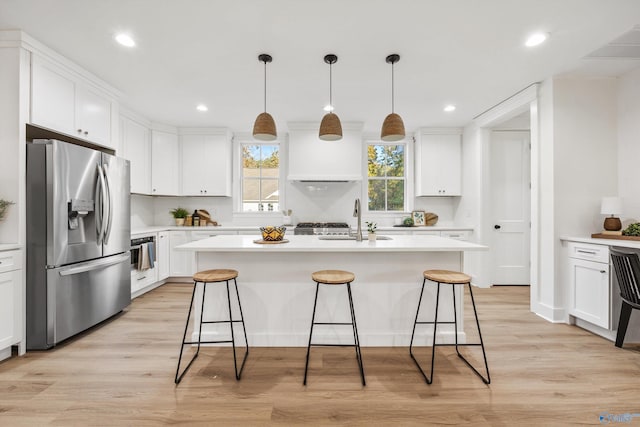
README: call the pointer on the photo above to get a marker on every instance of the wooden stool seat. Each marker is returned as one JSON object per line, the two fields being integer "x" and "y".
{"x": 447, "y": 276}
{"x": 219, "y": 275}
{"x": 333, "y": 277}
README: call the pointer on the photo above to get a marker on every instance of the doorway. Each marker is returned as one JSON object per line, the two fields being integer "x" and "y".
{"x": 510, "y": 224}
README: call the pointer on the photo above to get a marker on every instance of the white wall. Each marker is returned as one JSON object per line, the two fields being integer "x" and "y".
{"x": 629, "y": 145}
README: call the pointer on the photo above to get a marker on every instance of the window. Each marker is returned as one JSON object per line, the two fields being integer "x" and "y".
{"x": 260, "y": 177}
{"x": 386, "y": 177}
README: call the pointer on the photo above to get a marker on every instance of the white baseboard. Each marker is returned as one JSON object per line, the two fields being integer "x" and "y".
{"x": 550, "y": 314}
{"x": 5, "y": 353}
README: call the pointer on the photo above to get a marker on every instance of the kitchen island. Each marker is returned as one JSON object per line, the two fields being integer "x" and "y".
{"x": 277, "y": 292}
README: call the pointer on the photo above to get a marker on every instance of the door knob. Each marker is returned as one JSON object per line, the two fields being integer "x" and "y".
{"x": 497, "y": 227}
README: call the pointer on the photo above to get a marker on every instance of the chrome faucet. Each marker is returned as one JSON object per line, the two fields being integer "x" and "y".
{"x": 357, "y": 212}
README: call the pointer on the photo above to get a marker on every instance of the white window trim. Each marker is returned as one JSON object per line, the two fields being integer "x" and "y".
{"x": 409, "y": 143}
{"x": 246, "y": 138}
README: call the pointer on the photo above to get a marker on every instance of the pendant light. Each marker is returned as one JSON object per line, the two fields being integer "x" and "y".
{"x": 264, "y": 127}
{"x": 393, "y": 127}
{"x": 330, "y": 127}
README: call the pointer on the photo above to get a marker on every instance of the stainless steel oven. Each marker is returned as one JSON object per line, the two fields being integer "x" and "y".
{"x": 147, "y": 243}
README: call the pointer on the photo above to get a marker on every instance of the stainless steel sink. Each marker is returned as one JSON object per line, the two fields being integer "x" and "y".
{"x": 338, "y": 237}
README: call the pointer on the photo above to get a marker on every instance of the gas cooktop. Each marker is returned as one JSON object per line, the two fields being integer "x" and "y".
{"x": 322, "y": 228}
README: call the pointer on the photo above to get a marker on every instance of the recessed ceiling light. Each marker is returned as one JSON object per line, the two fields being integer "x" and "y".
{"x": 328, "y": 107}
{"x": 536, "y": 39}
{"x": 202, "y": 107}
{"x": 450, "y": 108}
{"x": 125, "y": 40}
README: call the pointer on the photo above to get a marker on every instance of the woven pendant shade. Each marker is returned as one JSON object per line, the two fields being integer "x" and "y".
{"x": 264, "y": 129}
{"x": 330, "y": 128}
{"x": 392, "y": 128}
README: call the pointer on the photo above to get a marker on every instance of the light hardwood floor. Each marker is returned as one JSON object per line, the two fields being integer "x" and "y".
{"x": 122, "y": 374}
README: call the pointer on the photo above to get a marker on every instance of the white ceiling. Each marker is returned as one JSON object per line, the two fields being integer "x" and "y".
{"x": 466, "y": 52}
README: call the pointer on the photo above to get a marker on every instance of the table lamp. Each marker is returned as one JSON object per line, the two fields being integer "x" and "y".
{"x": 611, "y": 206}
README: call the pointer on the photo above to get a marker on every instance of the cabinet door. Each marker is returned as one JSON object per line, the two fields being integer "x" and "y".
{"x": 164, "y": 254}
{"x": 438, "y": 165}
{"x": 164, "y": 163}
{"x": 181, "y": 262}
{"x": 93, "y": 116}
{"x": 8, "y": 288}
{"x": 52, "y": 98}
{"x": 206, "y": 165}
{"x": 137, "y": 149}
{"x": 589, "y": 299}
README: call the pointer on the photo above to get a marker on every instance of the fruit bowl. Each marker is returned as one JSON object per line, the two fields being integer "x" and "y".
{"x": 272, "y": 234}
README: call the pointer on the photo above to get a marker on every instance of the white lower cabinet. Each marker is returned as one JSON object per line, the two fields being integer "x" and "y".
{"x": 140, "y": 279}
{"x": 163, "y": 249}
{"x": 180, "y": 262}
{"x": 590, "y": 290}
{"x": 10, "y": 301}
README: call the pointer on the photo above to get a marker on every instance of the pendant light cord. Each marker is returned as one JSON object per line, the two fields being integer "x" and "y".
{"x": 265, "y": 86}
{"x": 392, "y": 88}
{"x": 331, "y": 86}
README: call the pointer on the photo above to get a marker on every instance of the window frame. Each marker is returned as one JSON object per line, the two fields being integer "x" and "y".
{"x": 408, "y": 177}
{"x": 247, "y": 139}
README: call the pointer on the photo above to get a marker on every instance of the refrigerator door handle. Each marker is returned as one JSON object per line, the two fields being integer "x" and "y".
{"x": 98, "y": 209}
{"x": 93, "y": 265}
{"x": 100, "y": 216}
{"x": 109, "y": 197}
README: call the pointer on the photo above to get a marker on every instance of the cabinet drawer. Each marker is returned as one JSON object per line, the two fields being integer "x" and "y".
{"x": 457, "y": 235}
{"x": 141, "y": 279}
{"x": 10, "y": 260}
{"x": 589, "y": 252}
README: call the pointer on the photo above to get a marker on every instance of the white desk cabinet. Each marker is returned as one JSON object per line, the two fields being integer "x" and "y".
{"x": 590, "y": 290}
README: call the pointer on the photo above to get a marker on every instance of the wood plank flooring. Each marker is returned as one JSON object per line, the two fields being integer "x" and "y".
{"x": 122, "y": 374}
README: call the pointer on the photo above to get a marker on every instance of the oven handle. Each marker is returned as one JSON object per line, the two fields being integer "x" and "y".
{"x": 95, "y": 265}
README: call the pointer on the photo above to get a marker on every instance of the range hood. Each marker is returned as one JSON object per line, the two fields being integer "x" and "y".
{"x": 314, "y": 160}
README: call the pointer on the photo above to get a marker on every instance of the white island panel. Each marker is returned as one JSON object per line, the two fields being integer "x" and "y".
{"x": 277, "y": 291}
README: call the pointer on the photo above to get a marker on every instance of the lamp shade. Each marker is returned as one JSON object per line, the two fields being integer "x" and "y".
{"x": 611, "y": 206}
{"x": 264, "y": 128}
{"x": 392, "y": 128}
{"x": 330, "y": 128}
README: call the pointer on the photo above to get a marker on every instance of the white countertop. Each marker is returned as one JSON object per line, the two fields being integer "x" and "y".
{"x": 609, "y": 242}
{"x": 9, "y": 246}
{"x": 156, "y": 228}
{"x": 237, "y": 243}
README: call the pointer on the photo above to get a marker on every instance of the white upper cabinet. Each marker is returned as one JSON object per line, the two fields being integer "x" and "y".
{"x": 438, "y": 162}
{"x": 311, "y": 159}
{"x": 165, "y": 164}
{"x": 136, "y": 147}
{"x": 63, "y": 103}
{"x": 206, "y": 162}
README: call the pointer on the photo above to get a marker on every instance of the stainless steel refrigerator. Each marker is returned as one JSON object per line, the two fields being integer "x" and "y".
{"x": 78, "y": 240}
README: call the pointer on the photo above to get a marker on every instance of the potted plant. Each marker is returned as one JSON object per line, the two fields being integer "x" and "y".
{"x": 371, "y": 228}
{"x": 4, "y": 204}
{"x": 179, "y": 214}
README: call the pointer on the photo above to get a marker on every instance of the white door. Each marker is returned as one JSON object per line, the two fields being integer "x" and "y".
{"x": 510, "y": 207}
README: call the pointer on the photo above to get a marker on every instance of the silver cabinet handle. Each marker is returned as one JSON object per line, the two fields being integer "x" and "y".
{"x": 586, "y": 252}
{"x": 603, "y": 271}
{"x": 142, "y": 278}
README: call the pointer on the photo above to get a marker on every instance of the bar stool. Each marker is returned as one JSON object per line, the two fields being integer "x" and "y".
{"x": 210, "y": 277}
{"x": 452, "y": 278}
{"x": 335, "y": 277}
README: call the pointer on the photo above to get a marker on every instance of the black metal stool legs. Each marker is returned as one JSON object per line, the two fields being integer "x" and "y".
{"x": 486, "y": 380}
{"x": 238, "y": 372}
{"x": 356, "y": 340}
{"x": 184, "y": 336}
{"x": 313, "y": 318}
{"x": 435, "y": 323}
{"x": 233, "y": 341}
{"x": 428, "y": 379}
